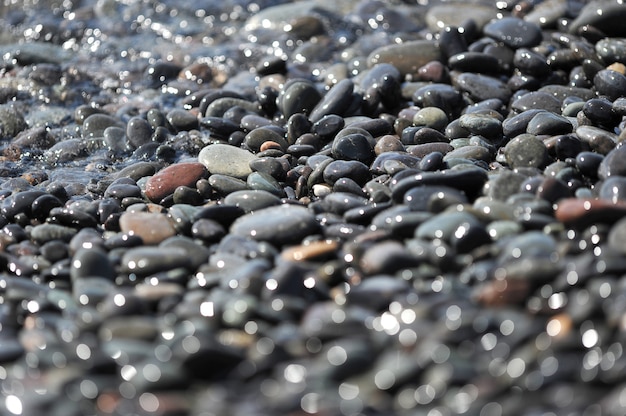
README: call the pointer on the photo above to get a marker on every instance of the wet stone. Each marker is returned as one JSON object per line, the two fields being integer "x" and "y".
{"x": 251, "y": 200}
{"x": 164, "y": 182}
{"x": 514, "y": 32}
{"x": 151, "y": 227}
{"x": 226, "y": 160}
{"x": 537, "y": 100}
{"x": 610, "y": 83}
{"x": 147, "y": 260}
{"x": 482, "y": 87}
{"x": 407, "y": 57}
{"x": 546, "y": 123}
{"x": 353, "y": 146}
{"x": 279, "y": 225}
{"x": 526, "y": 150}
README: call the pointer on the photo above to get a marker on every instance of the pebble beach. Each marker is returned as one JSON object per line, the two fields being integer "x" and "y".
{"x": 346, "y": 207}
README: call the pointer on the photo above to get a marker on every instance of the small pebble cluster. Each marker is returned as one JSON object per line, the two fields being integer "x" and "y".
{"x": 346, "y": 207}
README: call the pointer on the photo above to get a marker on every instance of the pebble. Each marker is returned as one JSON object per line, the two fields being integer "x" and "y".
{"x": 165, "y": 182}
{"x": 278, "y": 225}
{"x": 514, "y": 32}
{"x": 226, "y": 160}
{"x": 152, "y": 227}
{"x": 407, "y": 57}
{"x": 526, "y": 150}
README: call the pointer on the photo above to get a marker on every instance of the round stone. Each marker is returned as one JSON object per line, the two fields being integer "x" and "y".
{"x": 226, "y": 160}
{"x": 150, "y": 226}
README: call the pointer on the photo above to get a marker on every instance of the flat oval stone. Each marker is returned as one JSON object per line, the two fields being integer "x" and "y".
{"x": 470, "y": 181}
{"x": 407, "y": 57}
{"x": 298, "y": 96}
{"x": 514, "y": 32}
{"x": 151, "y": 227}
{"x": 537, "y": 100}
{"x": 353, "y": 146}
{"x": 164, "y": 182}
{"x": 147, "y": 260}
{"x": 226, "y": 160}
{"x": 581, "y": 213}
{"x": 252, "y": 200}
{"x": 483, "y": 87}
{"x": 279, "y": 225}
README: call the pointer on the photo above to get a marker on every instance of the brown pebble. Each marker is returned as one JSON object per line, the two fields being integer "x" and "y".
{"x": 269, "y": 145}
{"x": 151, "y": 227}
{"x": 309, "y": 251}
{"x": 164, "y": 182}
{"x": 388, "y": 143}
{"x": 617, "y": 67}
{"x": 501, "y": 292}
{"x": 422, "y": 150}
{"x": 581, "y": 213}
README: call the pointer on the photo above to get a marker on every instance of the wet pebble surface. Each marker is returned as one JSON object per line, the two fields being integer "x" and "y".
{"x": 325, "y": 207}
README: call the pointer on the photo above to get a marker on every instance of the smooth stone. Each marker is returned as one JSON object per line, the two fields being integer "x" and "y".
{"x": 207, "y": 230}
{"x": 92, "y": 262}
{"x": 599, "y": 140}
{"x": 617, "y": 236}
{"x": 445, "y": 225}
{"x": 482, "y": 87}
{"x": 95, "y": 124}
{"x": 387, "y": 257}
{"x": 251, "y": 200}
{"x": 280, "y": 225}
{"x": 443, "y": 96}
{"x": 531, "y": 63}
{"x": 225, "y": 185}
{"x": 12, "y": 121}
{"x": 612, "y": 50}
{"x": 165, "y": 182}
{"x": 432, "y": 117}
{"x": 336, "y": 101}
{"x": 581, "y": 213}
{"x": 479, "y": 62}
{"x": 152, "y": 227}
{"x": 310, "y": 251}
{"x": 407, "y": 57}
{"x": 537, "y": 100}
{"x": 614, "y": 164}
{"x": 526, "y": 150}
{"x": 600, "y": 112}
{"x": 529, "y": 245}
{"x": 355, "y": 170}
{"x": 502, "y": 229}
{"x": 340, "y": 202}
{"x": 222, "y": 105}
{"x": 469, "y": 152}
{"x": 422, "y": 198}
{"x": 258, "y": 138}
{"x": 196, "y": 253}
{"x": 613, "y": 189}
{"x": 226, "y": 160}
{"x": 421, "y": 150}
{"x": 225, "y": 213}
{"x": 610, "y": 83}
{"x": 514, "y": 32}
{"x": 43, "y": 233}
{"x": 138, "y": 131}
{"x": 483, "y": 125}
{"x": 606, "y": 16}
{"x": 504, "y": 184}
{"x": 148, "y": 260}
{"x": 263, "y": 182}
{"x": 298, "y": 96}
{"x": 470, "y": 181}
{"x": 546, "y": 123}
{"x": 588, "y": 163}
{"x": 354, "y": 146}
{"x": 518, "y": 123}
{"x": 182, "y": 120}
